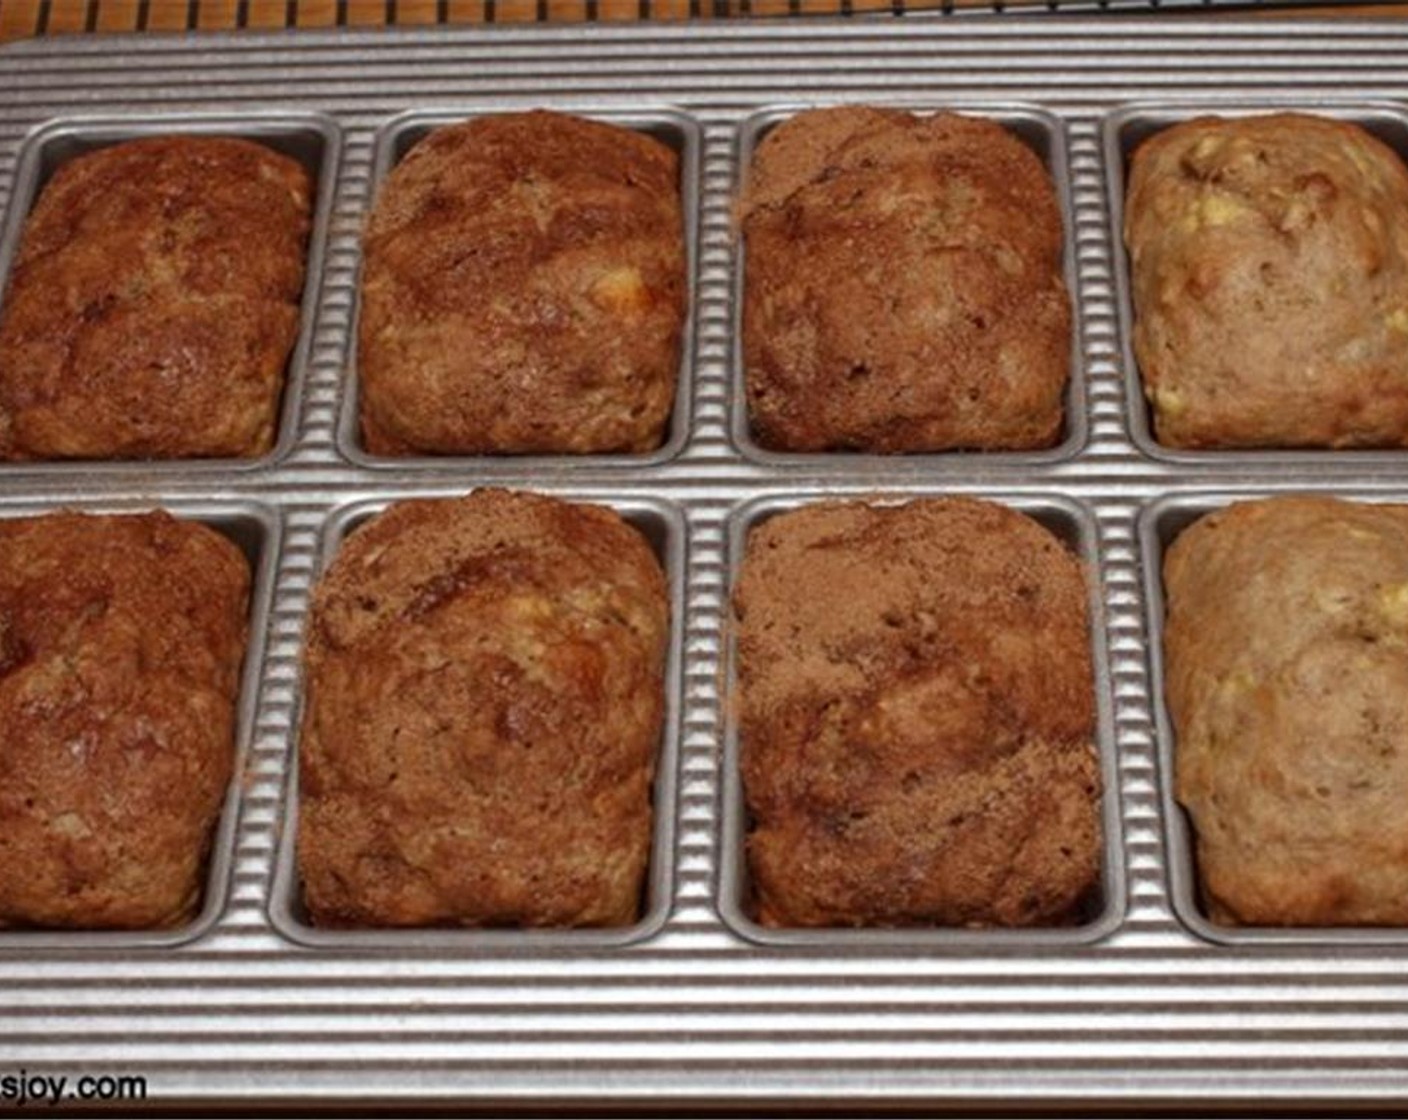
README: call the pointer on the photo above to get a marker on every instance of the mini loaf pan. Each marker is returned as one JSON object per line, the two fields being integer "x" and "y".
{"x": 1074, "y": 524}
{"x": 257, "y": 530}
{"x": 678, "y": 131}
{"x": 313, "y": 139}
{"x": 1160, "y": 523}
{"x": 1045, "y": 135}
{"x": 663, "y": 524}
{"x": 1124, "y": 130}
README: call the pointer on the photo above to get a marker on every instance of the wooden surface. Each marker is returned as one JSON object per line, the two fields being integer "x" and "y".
{"x": 20, "y": 18}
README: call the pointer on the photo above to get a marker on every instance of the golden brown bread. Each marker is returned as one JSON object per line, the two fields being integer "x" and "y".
{"x": 484, "y": 707}
{"x": 154, "y": 303}
{"x": 1286, "y": 646}
{"x": 916, "y": 718}
{"x": 524, "y": 291}
{"x": 903, "y": 288}
{"x": 1269, "y": 267}
{"x": 121, "y": 640}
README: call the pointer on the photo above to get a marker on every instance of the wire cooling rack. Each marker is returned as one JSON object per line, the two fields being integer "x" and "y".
{"x": 23, "y": 18}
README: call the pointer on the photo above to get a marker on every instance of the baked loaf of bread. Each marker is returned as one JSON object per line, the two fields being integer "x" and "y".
{"x": 917, "y": 718}
{"x": 154, "y": 303}
{"x": 121, "y": 641}
{"x": 903, "y": 288}
{"x": 1286, "y": 646}
{"x": 524, "y": 291}
{"x": 484, "y": 709}
{"x": 1269, "y": 265}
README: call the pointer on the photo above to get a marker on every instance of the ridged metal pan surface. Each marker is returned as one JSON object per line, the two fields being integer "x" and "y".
{"x": 1147, "y": 1003}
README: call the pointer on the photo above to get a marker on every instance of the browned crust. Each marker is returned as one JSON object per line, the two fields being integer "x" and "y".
{"x": 904, "y": 288}
{"x": 524, "y": 291}
{"x": 1269, "y": 268}
{"x": 1286, "y": 647}
{"x": 916, "y": 718}
{"x": 121, "y": 640}
{"x": 154, "y": 303}
{"x": 484, "y": 708}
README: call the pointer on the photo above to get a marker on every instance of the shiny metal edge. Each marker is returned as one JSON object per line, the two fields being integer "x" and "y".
{"x": 663, "y": 524}
{"x": 1074, "y": 524}
{"x": 1041, "y": 131}
{"x": 256, "y": 528}
{"x": 1160, "y": 523}
{"x": 393, "y": 140}
{"x": 1388, "y": 119}
{"x": 314, "y": 139}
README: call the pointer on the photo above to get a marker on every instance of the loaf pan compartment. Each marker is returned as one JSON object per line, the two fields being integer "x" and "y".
{"x": 1160, "y": 523}
{"x": 1074, "y": 524}
{"x": 1124, "y": 130}
{"x": 257, "y": 530}
{"x": 313, "y": 139}
{"x": 663, "y": 525}
{"x": 394, "y": 139}
{"x": 1045, "y": 135}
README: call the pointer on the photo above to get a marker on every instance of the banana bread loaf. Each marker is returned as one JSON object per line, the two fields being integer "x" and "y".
{"x": 903, "y": 289}
{"x": 917, "y": 718}
{"x": 1269, "y": 267}
{"x": 484, "y": 708}
{"x": 121, "y": 641}
{"x": 524, "y": 291}
{"x": 154, "y": 302}
{"x": 1286, "y": 646}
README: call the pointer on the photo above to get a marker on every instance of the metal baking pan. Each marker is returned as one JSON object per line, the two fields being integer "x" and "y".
{"x": 1040, "y": 131}
{"x": 255, "y": 528}
{"x": 1159, "y": 525}
{"x": 1075, "y": 526}
{"x": 1143, "y": 1007}
{"x": 314, "y": 140}
{"x": 676, "y": 130}
{"x": 663, "y": 525}
{"x": 1125, "y": 130}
